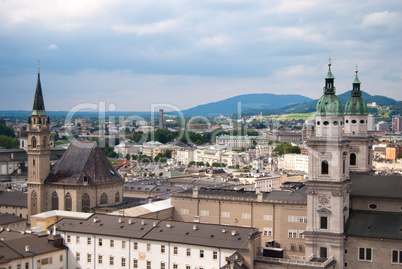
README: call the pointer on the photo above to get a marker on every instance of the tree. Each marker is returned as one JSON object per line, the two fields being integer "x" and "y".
{"x": 128, "y": 156}
{"x": 283, "y": 148}
{"x": 8, "y": 142}
{"x": 168, "y": 154}
{"x": 6, "y": 130}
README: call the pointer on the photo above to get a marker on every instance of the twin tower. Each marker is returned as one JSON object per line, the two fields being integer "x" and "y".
{"x": 342, "y": 145}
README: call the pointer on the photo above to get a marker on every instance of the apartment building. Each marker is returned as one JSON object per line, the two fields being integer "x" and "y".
{"x": 281, "y": 216}
{"x": 104, "y": 241}
{"x": 239, "y": 142}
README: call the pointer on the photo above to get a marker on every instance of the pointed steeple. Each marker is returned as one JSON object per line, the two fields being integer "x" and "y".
{"x": 329, "y": 81}
{"x": 356, "y": 86}
{"x": 38, "y": 105}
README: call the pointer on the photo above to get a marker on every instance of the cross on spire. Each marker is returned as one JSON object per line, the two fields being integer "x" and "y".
{"x": 38, "y": 66}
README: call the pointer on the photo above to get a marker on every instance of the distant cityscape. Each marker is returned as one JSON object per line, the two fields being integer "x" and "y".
{"x": 320, "y": 189}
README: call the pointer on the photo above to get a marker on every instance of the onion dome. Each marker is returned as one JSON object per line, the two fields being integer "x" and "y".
{"x": 329, "y": 103}
{"x": 356, "y": 104}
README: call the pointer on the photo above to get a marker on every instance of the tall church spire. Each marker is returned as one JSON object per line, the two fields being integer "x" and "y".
{"x": 329, "y": 81}
{"x": 38, "y": 105}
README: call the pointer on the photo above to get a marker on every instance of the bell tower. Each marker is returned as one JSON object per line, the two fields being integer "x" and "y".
{"x": 356, "y": 122}
{"x": 328, "y": 185}
{"x": 38, "y": 129}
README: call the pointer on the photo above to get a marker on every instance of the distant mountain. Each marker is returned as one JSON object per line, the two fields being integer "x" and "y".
{"x": 310, "y": 106}
{"x": 260, "y": 101}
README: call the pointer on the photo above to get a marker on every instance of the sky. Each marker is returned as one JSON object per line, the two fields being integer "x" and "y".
{"x": 133, "y": 55}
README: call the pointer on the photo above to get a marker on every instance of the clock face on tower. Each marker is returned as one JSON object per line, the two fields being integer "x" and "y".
{"x": 324, "y": 200}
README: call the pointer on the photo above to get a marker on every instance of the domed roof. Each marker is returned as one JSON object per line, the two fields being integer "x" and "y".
{"x": 329, "y": 104}
{"x": 356, "y": 104}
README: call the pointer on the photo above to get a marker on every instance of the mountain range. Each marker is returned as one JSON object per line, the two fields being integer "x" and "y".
{"x": 268, "y": 103}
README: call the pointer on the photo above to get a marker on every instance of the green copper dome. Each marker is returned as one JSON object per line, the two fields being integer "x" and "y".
{"x": 356, "y": 104}
{"x": 329, "y": 103}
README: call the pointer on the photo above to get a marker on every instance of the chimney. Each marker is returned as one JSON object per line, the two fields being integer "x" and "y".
{"x": 195, "y": 192}
{"x": 27, "y": 248}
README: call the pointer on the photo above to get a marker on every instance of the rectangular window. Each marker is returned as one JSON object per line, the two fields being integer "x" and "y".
{"x": 365, "y": 254}
{"x": 123, "y": 262}
{"x": 149, "y": 265}
{"x": 135, "y": 263}
{"x": 175, "y": 266}
{"x": 148, "y": 247}
{"x": 163, "y": 250}
{"x": 396, "y": 256}
{"x": 292, "y": 247}
{"x": 215, "y": 255}
{"x": 323, "y": 252}
{"x": 100, "y": 242}
{"x": 77, "y": 256}
{"x": 27, "y": 265}
{"x": 188, "y": 266}
{"x": 89, "y": 257}
{"x": 77, "y": 239}
{"x": 246, "y": 216}
{"x": 163, "y": 265}
{"x": 324, "y": 223}
{"x": 268, "y": 217}
{"x": 303, "y": 219}
{"x": 201, "y": 253}
{"x": 225, "y": 214}
{"x": 188, "y": 252}
{"x": 68, "y": 238}
{"x": 89, "y": 240}
{"x": 61, "y": 258}
{"x": 111, "y": 243}
{"x": 175, "y": 250}
{"x": 267, "y": 231}
{"x": 292, "y": 218}
{"x": 135, "y": 245}
{"x": 292, "y": 233}
{"x": 301, "y": 235}
{"x": 185, "y": 211}
{"x": 123, "y": 244}
{"x": 300, "y": 247}
{"x": 100, "y": 259}
{"x": 111, "y": 260}
{"x": 204, "y": 212}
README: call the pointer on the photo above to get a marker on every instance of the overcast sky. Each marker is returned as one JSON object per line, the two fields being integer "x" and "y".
{"x": 184, "y": 53}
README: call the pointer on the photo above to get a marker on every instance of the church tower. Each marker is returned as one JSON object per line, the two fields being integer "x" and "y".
{"x": 38, "y": 129}
{"x": 356, "y": 122}
{"x": 328, "y": 185}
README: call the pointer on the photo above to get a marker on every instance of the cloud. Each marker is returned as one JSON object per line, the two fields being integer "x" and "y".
{"x": 151, "y": 28}
{"x": 53, "y": 47}
{"x": 384, "y": 18}
{"x": 217, "y": 40}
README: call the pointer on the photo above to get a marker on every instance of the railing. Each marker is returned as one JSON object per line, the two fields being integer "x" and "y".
{"x": 296, "y": 260}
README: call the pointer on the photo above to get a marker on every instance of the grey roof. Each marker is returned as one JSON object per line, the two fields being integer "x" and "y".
{"x": 374, "y": 224}
{"x": 369, "y": 185}
{"x": 38, "y": 105}
{"x": 80, "y": 159}
{"x": 296, "y": 195}
{"x": 14, "y": 246}
{"x": 161, "y": 230}
{"x": 20, "y": 155}
{"x": 13, "y": 198}
{"x": 9, "y": 218}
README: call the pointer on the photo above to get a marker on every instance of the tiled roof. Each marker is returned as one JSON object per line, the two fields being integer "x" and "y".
{"x": 210, "y": 235}
{"x": 14, "y": 243}
{"x": 13, "y": 198}
{"x": 81, "y": 159}
{"x": 374, "y": 224}
{"x": 369, "y": 185}
{"x": 8, "y": 218}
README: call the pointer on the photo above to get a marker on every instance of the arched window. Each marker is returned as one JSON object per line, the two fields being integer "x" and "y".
{"x": 324, "y": 167}
{"x": 68, "y": 202}
{"x": 103, "y": 199}
{"x": 117, "y": 197}
{"x": 33, "y": 142}
{"x": 55, "y": 201}
{"x": 44, "y": 141}
{"x": 352, "y": 159}
{"x": 86, "y": 203}
{"x": 34, "y": 203}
